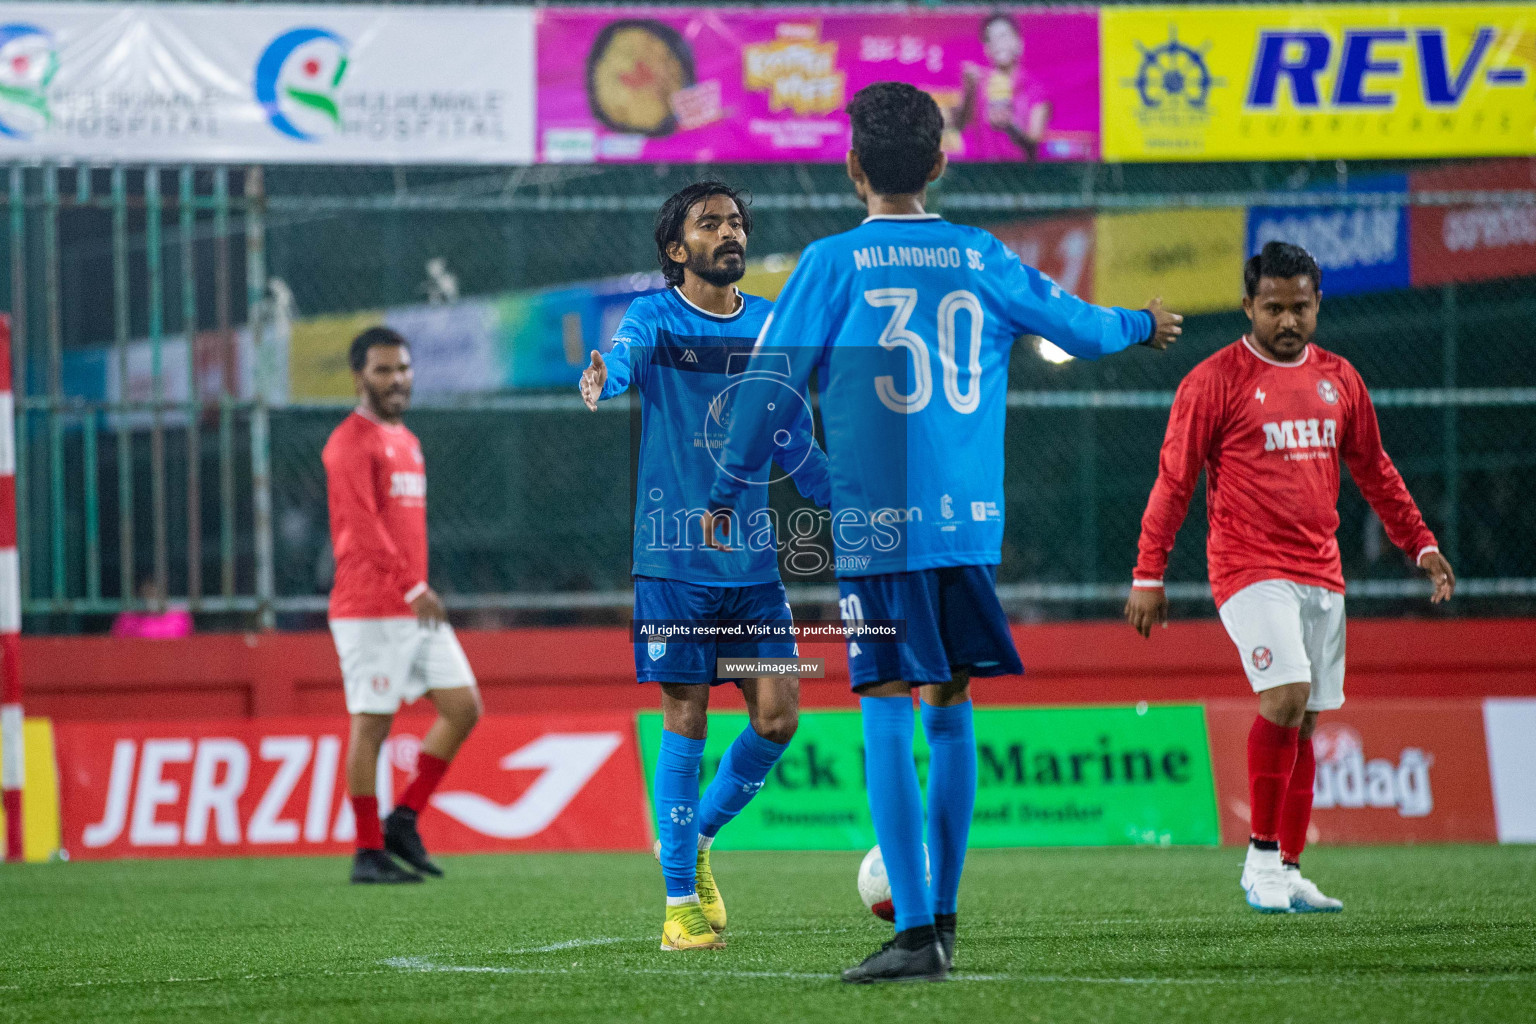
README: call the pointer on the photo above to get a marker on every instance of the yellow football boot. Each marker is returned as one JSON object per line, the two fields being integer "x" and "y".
{"x": 686, "y": 928}
{"x": 710, "y": 900}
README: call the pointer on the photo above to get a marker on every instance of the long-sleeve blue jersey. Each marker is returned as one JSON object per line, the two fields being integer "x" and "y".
{"x": 907, "y": 323}
{"x": 684, "y": 362}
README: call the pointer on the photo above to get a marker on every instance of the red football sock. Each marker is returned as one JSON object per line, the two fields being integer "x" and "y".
{"x": 366, "y": 810}
{"x": 429, "y": 772}
{"x": 1296, "y": 813}
{"x": 1271, "y": 756}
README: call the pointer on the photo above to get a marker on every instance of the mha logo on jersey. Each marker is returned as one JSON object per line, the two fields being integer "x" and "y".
{"x": 1301, "y": 434}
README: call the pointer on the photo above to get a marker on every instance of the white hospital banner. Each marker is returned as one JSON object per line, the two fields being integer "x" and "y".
{"x": 170, "y": 83}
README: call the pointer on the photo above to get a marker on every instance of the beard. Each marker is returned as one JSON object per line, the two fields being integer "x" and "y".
{"x": 717, "y": 267}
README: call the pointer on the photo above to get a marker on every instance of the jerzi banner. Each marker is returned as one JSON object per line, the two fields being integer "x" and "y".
{"x": 1097, "y": 776}
{"x": 706, "y": 85}
{"x": 333, "y": 84}
{"x": 1319, "y": 81}
{"x": 268, "y": 786}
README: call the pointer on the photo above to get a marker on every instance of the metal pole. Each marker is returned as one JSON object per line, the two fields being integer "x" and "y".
{"x": 221, "y": 282}
{"x": 18, "y": 347}
{"x": 89, "y": 469}
{"x": 13, "y": 756}
{"x": 57, "y": 553}
{"x": 120, "y": 327}
{"x": 1088, "y": 493}
{"x": 261, "y": 470}
{"x": 1450, "y": 540}
{"x": 152, "y": 254}
{"x": 194, "y": 405}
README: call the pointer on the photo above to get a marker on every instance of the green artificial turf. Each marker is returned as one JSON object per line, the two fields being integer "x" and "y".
{"x": 1428, "y": 934}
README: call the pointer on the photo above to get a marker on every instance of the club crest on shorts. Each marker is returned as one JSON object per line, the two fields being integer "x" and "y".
{"x": 380, "y": 684}
{"x": 656, "y": 648}
{"x": 1262, "y": 659}
{"x": 1327, "y": 392}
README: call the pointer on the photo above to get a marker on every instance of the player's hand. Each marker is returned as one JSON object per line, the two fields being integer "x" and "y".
{"x": 1147, "y": 607}
{"x": 1167, "y": 328}
{"x": 592, "y": 380}
{"x": 717, "y": 530}
{"x": 1440, "y": 574}
{"x": 428, "y": 609}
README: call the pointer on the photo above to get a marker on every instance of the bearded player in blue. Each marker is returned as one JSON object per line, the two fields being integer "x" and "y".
{"x": 686, "y": 350}
{"x": 907, "y": 322}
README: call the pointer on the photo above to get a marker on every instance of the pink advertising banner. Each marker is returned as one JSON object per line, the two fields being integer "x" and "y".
{"x": 713, "y": 85}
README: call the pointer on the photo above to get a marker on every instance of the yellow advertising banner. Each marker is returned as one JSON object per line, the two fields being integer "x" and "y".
{"x": 1193, "y": 259}
{"x": 317, "y": 355}
{"x": 1304, "y": 81}
{"x": 39, "y": 793}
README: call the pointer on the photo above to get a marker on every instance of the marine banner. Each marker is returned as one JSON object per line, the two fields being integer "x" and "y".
{"x": 704, "y": 85}
{"x": 1098, "y": 776}
{"x": 1318, "y": 81}
{"x": 266, "y": 83}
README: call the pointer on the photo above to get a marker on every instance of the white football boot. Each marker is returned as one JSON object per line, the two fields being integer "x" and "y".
{"x": 1307, "y": 898}
{"x": 1265, "y": 883}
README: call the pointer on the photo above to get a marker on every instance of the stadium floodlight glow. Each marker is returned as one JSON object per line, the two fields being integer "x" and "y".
{"x": 1051, "y": 353}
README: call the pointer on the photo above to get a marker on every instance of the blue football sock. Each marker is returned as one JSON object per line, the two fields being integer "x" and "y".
{"x": 742, "y": 771}
{"x": 896, "y": 805}
{"x": 951, "y": 797}
{"x": 677, "y": 810}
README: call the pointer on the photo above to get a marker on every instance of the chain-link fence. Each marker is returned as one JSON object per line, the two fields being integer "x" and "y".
{"x": 531, "y": 494}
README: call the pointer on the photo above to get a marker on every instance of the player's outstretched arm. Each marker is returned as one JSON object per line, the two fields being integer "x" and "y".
{"x": 1038, "y": 305}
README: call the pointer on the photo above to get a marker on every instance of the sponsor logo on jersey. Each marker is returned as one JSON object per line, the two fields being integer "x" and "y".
{"x": 689, "y": 357}
{"x": 1327, "y": 392}
{"x": 404, "y": 484}
{"x": 1262, "y": 658}
{"x": 947, "y": 507}
{"x": 1287, "y": 434}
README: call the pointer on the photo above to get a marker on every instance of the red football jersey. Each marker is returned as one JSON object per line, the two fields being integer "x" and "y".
{"x": 376, "y": 483}
{"x": 1269, "y": 436}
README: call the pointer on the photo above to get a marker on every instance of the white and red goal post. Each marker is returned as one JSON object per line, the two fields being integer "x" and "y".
{"x": 12, "y": 756}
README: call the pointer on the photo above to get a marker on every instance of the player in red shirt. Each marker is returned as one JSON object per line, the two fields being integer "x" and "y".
{"x": 1268, "y": 418}
{"x": 390, "y": 627}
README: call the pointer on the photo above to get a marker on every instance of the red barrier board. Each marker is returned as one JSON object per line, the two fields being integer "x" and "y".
{"x": 1060, "y": 247}
{"x": 1387, "y": 772}
{"x": 260, "y": 787}
{"x": 1478, "y": 242}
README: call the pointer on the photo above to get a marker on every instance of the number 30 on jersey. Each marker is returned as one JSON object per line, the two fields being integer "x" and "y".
{"x": 902, "y": 302}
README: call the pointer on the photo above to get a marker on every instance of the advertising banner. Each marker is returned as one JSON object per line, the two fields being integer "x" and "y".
{"x": 1359, "y": 248}
{"x": 1511, "y": 726}
{"x": 1100, "y": 776}
{"x": 266, "y": 83}
{"x": 39, "y": 793}
{"x": 1060, "y": 247}
{"x": 710, "y": 85}
{"x": 1480, "y": 242}
{"x": 1305, "y": 81}
{"x": 260, "y": 787}
{"x": 1192, "y": 258}
{"x": 1387, "y": 772}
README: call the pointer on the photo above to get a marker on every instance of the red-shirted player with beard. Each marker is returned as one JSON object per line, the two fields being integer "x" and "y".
{"x": 1268, "y": 418}
{"x": 390, "y": 627}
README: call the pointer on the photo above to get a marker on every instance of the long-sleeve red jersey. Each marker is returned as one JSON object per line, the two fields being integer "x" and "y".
{"x": 1269, "y": 436}
{"x": 376, "y": 483}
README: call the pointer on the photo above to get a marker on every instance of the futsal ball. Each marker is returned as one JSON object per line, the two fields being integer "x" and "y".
{"x": 875, "y": 887}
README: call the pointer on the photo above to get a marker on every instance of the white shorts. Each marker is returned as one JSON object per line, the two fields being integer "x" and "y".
{"x": 385, "y": 662}
{"x": 1289, "y": 632}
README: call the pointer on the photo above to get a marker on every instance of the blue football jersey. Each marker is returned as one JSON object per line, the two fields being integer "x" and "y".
{"x": 687, "y": 365}
{"x": 907, "y": 323}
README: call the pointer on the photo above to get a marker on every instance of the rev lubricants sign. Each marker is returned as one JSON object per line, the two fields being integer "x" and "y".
{"x": 1047, "y": 777}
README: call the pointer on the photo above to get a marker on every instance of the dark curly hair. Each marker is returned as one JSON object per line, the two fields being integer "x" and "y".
{"x": 357, "y": 353}
{"x": 897, "y": 129}
{"x": 673, "y": 215}
{"x": 1280, "y": 259}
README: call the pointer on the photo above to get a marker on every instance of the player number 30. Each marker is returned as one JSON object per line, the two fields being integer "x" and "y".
{"x": 902, "y": 301}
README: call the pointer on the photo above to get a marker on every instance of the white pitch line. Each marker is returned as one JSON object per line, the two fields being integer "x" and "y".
{"x": 556, "y": 947}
